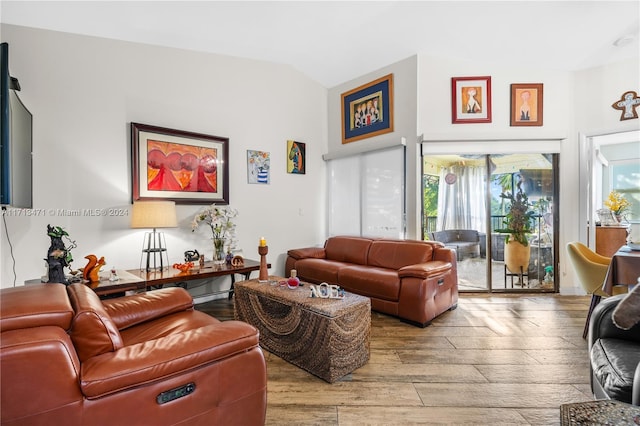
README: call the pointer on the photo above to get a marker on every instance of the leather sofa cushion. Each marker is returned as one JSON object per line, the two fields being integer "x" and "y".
{"x": 380, "y": 283}
{"x": 35, "y": 306}
{"x": 394, "y": 255}
{"x": 614, "y": 362}
{"x": 321, "y": 270}
{"x": 138, "y": 308}
{"x": 167, "y": 325}
{"x": 348, "y": 249}
{"x": 92, "y": 330}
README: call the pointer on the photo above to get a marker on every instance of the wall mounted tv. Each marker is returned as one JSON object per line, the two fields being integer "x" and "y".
{"x": 16, "y": 124}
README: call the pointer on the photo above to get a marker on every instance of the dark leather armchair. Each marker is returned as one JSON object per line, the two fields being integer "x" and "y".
{"x": 614, "y": 354}
{"x": 68, "y": 358}
{"x": 466, "y": 242}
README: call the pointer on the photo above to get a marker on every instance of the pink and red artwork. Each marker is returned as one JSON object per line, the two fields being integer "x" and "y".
{"x": 177, "y": 167}
{"x": 186, "y": 167}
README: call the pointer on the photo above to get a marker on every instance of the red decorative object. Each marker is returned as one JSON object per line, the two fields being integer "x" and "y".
{"x": 183, "y": 267}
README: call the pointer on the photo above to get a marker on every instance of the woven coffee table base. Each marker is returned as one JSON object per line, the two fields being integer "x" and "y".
{"x": 326, "y": 337}
{"x": 599, "y": 412}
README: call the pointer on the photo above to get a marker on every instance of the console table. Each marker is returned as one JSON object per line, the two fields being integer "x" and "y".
{"x": 136, "y": 280}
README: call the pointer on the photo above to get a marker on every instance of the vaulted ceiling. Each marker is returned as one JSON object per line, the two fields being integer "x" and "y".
{"x": 333, "y": 42}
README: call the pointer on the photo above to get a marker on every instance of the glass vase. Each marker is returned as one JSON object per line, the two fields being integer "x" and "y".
{"x": 219, "y": 254}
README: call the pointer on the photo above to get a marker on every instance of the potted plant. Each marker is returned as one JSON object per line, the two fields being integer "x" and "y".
{"x": 617, "y": 203}
{"x": 517, "y": 224}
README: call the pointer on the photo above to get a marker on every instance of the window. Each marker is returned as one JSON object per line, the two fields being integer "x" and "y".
{"x": 367, "y": 195}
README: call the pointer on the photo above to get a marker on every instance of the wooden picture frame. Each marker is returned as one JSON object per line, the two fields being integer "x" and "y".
{"x": 367, "y": 110}
{"x": 470, "y": 100}
{"x": 296, "y": 157}
{"x": 177, "y": 165}
{"x": 526, "y": 104}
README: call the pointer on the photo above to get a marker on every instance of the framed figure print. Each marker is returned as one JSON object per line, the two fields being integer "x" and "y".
{"x": 296, "y": 157}
{"x": 177, "y": 165}
{"x": 526, "y": 104}
{"x": 367, "y": 110}
{"x": 471, "y": 100}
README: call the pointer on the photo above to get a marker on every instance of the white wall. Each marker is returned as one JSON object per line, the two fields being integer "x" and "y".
{"x": 573, "y": 103}
{"x": 404, "y": 125}
{"x": 84, "y": 92}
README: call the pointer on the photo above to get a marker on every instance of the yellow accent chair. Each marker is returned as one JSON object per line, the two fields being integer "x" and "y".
{"x": 591, "y": 269}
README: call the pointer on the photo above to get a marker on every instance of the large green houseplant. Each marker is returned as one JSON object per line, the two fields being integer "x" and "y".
{"x": 517, "y": 226}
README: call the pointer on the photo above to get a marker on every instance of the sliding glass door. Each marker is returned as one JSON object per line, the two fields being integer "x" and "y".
{"x": 465, "y": 203}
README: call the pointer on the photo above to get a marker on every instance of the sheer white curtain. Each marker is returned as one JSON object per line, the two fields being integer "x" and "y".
{"x": 462, "y": 192}
{"x": 367, "y": 195}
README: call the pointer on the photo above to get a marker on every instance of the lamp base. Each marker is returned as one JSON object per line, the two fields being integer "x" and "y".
{"x": 154, "y": 252}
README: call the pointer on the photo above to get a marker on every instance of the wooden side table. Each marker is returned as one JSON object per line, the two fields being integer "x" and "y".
{"x": 609, "y": 239}
{"x": 137, "y": 280}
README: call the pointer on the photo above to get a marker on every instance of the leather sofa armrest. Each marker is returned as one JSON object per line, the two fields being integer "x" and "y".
{"x": 601, "y": 324}
{"x": 155, "y": 360}
{"x": 138, "y": 308}
{"x": 424, "y": 270}
{"x": 445, "y": 254}
{"x": 309, "y": 252}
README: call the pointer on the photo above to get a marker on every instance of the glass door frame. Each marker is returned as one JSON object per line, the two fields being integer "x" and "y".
{"x": 446, "y": 148}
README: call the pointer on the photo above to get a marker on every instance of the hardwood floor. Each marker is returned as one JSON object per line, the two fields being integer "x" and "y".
{"x": 505, "y": 359}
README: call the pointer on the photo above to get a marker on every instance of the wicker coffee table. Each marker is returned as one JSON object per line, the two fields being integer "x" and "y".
{"x": 326, "y": 337}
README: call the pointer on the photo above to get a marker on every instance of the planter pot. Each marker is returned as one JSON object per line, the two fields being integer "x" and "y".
{"x": 516, "y": 257}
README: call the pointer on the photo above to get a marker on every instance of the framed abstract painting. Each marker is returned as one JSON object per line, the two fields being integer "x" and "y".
{"x": 471, "y": 100}
{"x": 186, "y": 167}
{"x": 296, "y": 157}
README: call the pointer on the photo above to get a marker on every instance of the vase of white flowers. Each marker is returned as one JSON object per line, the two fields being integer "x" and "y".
{"x": 220, "y": 221}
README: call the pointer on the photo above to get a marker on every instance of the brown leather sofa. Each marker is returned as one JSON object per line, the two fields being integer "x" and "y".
{"x": 68, "y": 358}
{"x": 413, "y": 280}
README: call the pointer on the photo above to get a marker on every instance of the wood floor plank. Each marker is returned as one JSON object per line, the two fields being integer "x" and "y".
{"x": 385, "y": 416}
{"x": 497, "y": 395}
{"x": 502, "y": 359}
{"x": 551, "y": 373}
{"x": 416, "y": 373}
{"x": 344, "y": 393}
{"x": 466, "y": 356}
{"x": 510, "y": 342}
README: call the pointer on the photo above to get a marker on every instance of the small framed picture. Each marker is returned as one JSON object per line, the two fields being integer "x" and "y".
{"x": 471, "y": 100}
{"x": 526, "y": 104}
{"x": 296, "y": 157}
{"x": 368, "y": 110}
{"x": 258, "y": 166}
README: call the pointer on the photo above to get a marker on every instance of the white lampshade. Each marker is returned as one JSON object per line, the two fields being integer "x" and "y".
{"x": 154, "y": 214}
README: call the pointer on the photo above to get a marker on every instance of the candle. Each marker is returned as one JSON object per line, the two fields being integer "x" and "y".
{"x": 263, "y": 242}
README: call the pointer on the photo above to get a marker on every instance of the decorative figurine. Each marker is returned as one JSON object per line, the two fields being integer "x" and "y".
{"x": 58, "y": 256}
{"x": 114, "y": 275}
{"x": 183, "y": 267}
{"x": 91, "y": 271}
{"x": 326, "y": 291}
{"x": 293, "y": 281}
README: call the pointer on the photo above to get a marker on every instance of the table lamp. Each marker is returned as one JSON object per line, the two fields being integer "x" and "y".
{"x": 154, "y": 214}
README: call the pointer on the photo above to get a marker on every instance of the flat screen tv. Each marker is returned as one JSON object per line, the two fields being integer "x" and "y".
{"x": 16, "y": 124}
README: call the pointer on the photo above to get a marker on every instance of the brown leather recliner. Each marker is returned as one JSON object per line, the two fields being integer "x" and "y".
{"x": 68, "y": 358}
